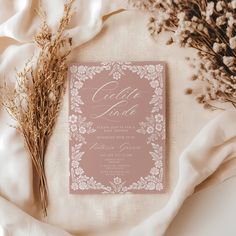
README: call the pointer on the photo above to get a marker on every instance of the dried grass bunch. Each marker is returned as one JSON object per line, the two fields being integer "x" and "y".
{"x": 35, "y": 101}
{"x": 209, "y": 27}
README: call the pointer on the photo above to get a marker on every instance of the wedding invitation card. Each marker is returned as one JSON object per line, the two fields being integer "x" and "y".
{"x": 117, "y": 127}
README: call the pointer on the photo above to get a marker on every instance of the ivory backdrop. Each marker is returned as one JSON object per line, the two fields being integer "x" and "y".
{"x": 99, "y": 35}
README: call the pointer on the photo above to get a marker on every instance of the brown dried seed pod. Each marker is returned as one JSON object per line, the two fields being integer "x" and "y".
{"x": 188, "y": 91}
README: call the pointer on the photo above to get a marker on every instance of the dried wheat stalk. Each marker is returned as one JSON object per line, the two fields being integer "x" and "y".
{"x": 35, "y": 101}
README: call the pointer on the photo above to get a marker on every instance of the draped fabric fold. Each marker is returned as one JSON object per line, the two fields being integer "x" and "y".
{"x": 214, "y": 145}
{"x": 211, "y": 149}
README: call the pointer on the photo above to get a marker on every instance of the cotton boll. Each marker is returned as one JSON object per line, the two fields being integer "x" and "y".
{"x": 200, "y": 27}
{"x": 233, "y": 4}
{"x": 220, "y": 20}
{"x": 209, "y": 10}
{"x": 219, "y": 6}
{"x": 219, "y": 47}
{"x": 194, "y": 19}
{"x": 229, "y": 32}
{"x": 205, "y": 30}
{"x": 231, "y": 21}
{"x": 228, "y": 61}
{"x": 181, "y": 16}
{"x": 232, "y": 42}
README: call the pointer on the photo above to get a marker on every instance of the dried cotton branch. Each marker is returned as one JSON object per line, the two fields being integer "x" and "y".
{"x": 36, "y": 99}
{"x": 209, "y": 26}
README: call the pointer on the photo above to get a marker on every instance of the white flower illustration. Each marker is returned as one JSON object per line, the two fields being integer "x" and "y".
{"x": 154, "y": 171}
{"x": 82, "y": 185}
{"x": 74, "y": 186}
{"x": 75, "y": 164}
{"x": 150, "y": 129}
{"x": 153, "y": 127}
{"x": 158, "y": 164}
{"x": 158, "y": 127}
{"x": 81, "y": 69}
{"x": 151, "y": 186}
{"x": 73, "y": 127}
{"x": 79, "y": 171}
{"x": 117, "y": 180}
{"x": 150, "y": 69}
{"x": 159, "y": 91}
{"x": 73, "y": 119}
{"x": 78, "y": 84}
{"x": 159, "y": 118}
{"x": 73, "y": 69}
{"x": 154, "y": 83}
{"x": 74, "y": 92}
{"x": 79, "y": 123}
{"x": 159, "y": 186}
{"x": 116, "y": 75}
{"x": 159, "y": 68}
{"x": 82, "y": 130}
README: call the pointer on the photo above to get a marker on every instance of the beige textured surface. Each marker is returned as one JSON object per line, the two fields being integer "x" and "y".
{"x": 123, "y": 37}
{"x": 207, "y": 213}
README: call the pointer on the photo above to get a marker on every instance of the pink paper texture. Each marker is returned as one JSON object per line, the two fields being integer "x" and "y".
{"x": 117, "y": 127}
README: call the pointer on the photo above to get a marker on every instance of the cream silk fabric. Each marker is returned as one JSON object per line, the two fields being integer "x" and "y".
{"x": 194, "y": 153}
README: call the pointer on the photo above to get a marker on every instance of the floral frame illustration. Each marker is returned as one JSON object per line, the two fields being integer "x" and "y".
{"x": 153, "y": 128}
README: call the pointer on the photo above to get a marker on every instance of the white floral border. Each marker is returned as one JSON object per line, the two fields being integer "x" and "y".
{"x": 153, "y": 128}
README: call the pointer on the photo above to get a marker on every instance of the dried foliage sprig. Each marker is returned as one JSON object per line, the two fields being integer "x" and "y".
{"x": 209, "y": 27}
{"x": 35, "y": 101}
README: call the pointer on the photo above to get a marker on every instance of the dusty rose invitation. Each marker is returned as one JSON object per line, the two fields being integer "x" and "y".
{"x": 117, "y": 127}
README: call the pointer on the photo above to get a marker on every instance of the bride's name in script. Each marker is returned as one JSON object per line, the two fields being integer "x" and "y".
{"x": 118, "y": 99}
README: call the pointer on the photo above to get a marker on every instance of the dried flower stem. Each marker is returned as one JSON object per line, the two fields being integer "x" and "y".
{"x": 35, "y": 101}
{"x": 209, "y": 26}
